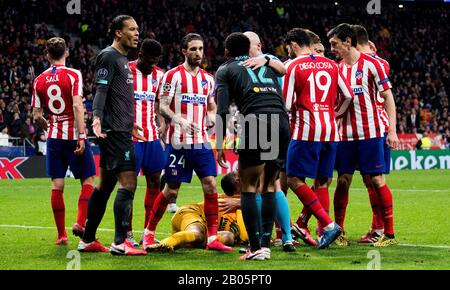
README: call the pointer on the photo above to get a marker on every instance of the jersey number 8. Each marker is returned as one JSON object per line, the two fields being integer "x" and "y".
{"x": 54, "y": 94}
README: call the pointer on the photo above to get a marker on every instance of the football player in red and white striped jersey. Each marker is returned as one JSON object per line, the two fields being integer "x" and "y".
{"x": 59, "y": 91}
{"x": 314, "y": 84}
{"x": 150, "y": 155}
{"x": 377, "y": 227}
{"x": 186, "y": 99}
{"x": 362, "y": 128}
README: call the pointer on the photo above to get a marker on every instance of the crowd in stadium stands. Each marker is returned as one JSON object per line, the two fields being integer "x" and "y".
{"x": 412, "y": 39}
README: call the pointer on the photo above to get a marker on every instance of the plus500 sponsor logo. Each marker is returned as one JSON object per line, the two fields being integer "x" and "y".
{"x": 143, "y": 96}
{"x": 193, "y": 99}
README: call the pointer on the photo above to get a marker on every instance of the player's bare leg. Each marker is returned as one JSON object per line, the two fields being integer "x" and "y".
{"x": 59, "y": 211}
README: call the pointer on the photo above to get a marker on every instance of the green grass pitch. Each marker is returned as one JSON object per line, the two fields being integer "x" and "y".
{"x": 421, "y": 211}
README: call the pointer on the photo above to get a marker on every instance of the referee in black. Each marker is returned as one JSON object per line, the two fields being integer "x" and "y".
{"x": 257, "y": 95}
{"x": 114, "y": 127}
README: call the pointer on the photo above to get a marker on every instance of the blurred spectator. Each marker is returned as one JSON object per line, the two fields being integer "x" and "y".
{"x": 412, "y": 39}
{"x": 413, "y": 120}
{"x": 4, "y": 137}
{"x": 41, "y": 145}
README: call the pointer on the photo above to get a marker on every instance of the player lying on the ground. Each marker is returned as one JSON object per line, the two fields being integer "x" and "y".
{"x": 189, "y": 227}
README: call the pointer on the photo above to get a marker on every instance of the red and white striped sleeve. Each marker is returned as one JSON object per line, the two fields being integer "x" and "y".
{"x": 380, "y": 75}
{"x": 77, "y": 86}
{"x": 35, "y": 99}
{"x": 169, "y": 84}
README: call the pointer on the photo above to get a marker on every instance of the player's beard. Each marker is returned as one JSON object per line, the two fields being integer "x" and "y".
{"x": 193, "y": 63}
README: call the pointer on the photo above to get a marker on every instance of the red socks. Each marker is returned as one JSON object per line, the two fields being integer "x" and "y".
{"x": 310, "y": 200}
{"x": 159, "y": 207}
{"x": 83, "y": 201}
{"x": 59, "y": 211}
{"x": 340, "y": 207}
{"x": 385, "y": 196}
{"x": 149, "y": 201}
{"x": 303, "y": 218}
{"x": 211, "y": 213}
{"x": 377, "y": 213}
{"x": 324, "y": 198}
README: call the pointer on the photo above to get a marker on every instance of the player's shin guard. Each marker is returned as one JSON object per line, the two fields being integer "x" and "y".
{"x": 158, "y": 210}
{"x": 149, "y": 201}
{"x": 268, "y": 212}
{"x": 310, "y": 200}
{"x": 83, "y": 201}
{"x": 385, "y": 196}
{"x": 96, "y": 210}
{"x": 340, "y": 207}
{"x": 59, "y": 211}
{"x": 377, "y": 213}
{"x": 324, "y": 198}
{"x": 211, "y": 213}
{"x": 122, "y": 210}
{"x": 283, "y": 216}
{"x": 251, "y": 216}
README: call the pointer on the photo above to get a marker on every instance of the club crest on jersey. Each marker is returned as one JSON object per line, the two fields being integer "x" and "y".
{"x": 204, "y": 84}
{"x": 193, "y": 99}
{"x": 154, "y": 83}
{"x": 359, "y": 74}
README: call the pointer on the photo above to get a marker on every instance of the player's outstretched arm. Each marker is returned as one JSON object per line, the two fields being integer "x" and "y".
{"x": 392, "y": 138}
{"x": 257, "y": 62}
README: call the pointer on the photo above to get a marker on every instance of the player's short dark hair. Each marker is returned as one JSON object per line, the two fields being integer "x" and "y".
{"x": 117, "y": 24}
{"x": 314, "y": 38}
{"x": 151, "y": 47}
{"x": 237, "y": 44}
{"x": 188, "y": 38}
{"x": 342, "y": 31}
{"x": 298, "y": 35}
{"x": 362, "y": 37}
{"x": 56, "y": 47}
{"x": 228, "y": 183}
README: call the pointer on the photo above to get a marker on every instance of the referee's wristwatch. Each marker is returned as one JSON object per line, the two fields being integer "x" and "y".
{"x": 268, "y": 60}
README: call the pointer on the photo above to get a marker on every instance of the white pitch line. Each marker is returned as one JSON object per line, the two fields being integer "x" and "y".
{"x": 67, "y": 228}
{"x": 425, "y": 246}
{"x": 162, "y": 233}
